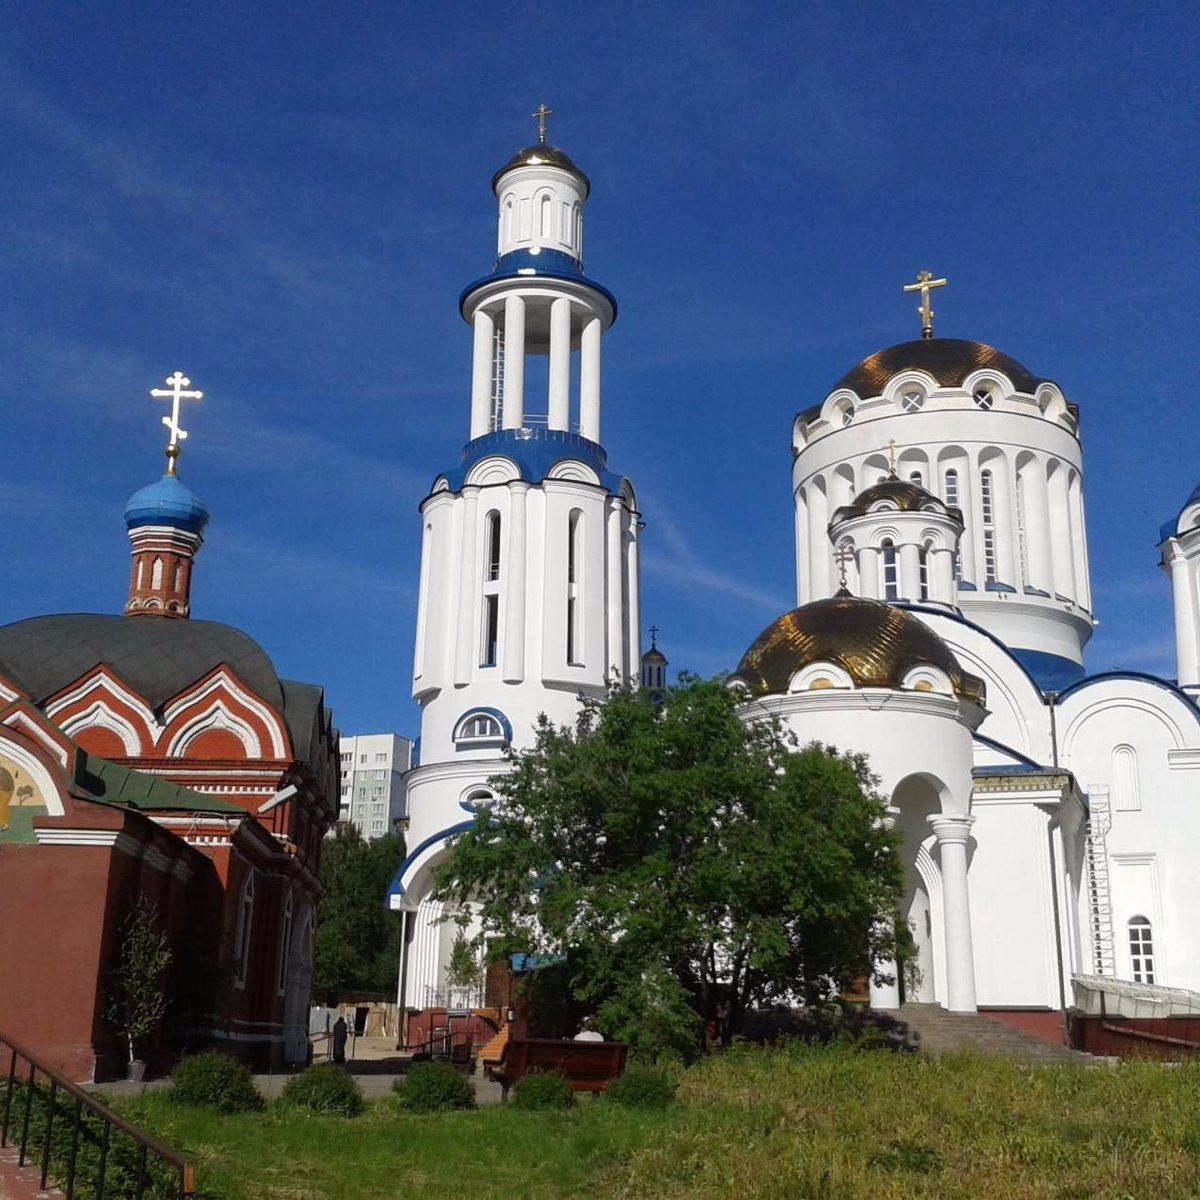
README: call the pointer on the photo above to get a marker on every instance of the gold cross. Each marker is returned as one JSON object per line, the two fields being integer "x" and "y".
{"x": 891, "y": 449}
{"x": 175, "y": 391}
{"x": 844, "y": 554}
{"x": 925, "y": 282}
{"x": 540, "y": 116}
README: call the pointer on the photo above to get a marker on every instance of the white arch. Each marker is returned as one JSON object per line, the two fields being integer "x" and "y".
{"x": 216, "y": 716}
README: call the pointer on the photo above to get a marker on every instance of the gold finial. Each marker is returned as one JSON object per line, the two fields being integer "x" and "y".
{"x": 891, "y": 451}
{"x": 540, "y": 115}
{"x": 175, "y": 391}
{"x": 925, "y": 283}
{"x": 844, "y": 553}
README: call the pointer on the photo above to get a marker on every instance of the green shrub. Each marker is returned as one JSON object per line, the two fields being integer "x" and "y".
{"x": 643, "y": 1087}
{"x": 325, "y": 1088}
{"x": 434, "y": 1087}
{"x": 214, "y": 1080}
{"x": 543, "y": 1089}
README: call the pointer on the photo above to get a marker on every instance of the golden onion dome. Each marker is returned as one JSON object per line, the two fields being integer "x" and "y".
{"x": 541, "y": 156}
{"x": 875, "y": 643}
{"x": 899, "y": 493}
{"x": 948, "y": 360}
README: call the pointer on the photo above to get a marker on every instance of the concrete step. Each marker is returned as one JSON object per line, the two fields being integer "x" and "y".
{"x": 938, "y": 1031}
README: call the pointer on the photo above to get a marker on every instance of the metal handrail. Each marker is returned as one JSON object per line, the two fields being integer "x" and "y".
{"x": 145, "y": 1143}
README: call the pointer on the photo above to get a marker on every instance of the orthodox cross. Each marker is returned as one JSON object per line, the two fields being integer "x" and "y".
{"x": 891, "y": 449}
{"x": 925, "y": 283}
{"x": 844, "y": 553}
{"x": 653, "y": 637}
{"x": 540, "y": 115}
{"x": 175, "y": 391}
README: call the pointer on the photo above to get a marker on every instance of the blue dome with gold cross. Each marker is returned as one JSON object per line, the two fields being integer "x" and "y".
{"x": 167, "y": 502}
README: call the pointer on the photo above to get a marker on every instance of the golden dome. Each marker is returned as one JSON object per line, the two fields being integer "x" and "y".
{"x": 903, "y": 494}
{"x": 948, "y": 360}
{"x": 876, "y": 644}
{"x": 541, "y": 156}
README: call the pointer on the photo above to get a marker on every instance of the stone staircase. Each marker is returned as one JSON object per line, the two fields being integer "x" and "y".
{"x": 938, "y": 1031}
{"x": 493, "y": 1048}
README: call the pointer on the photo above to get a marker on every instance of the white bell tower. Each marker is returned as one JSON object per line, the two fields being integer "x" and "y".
{"x": 529, "y": 578}
{"x": 1180, "y": 547}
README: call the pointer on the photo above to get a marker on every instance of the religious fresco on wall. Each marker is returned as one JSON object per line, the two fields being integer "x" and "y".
{"x": 20, "y": 801}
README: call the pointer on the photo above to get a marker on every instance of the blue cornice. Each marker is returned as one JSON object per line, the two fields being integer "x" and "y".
{"x": 538, "y": 263}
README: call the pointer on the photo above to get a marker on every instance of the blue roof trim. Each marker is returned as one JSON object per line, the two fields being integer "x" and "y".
{"x": 1051, "y": 672}
{"x": 1001, "y": 748}
{"x": 535, "y": 452}
{"x": 1165, "y": 684}
{"x": 994, "y": 586}
{"x": 965, "y": 586}
{"x": 538, "y": 263}
{"x": 1032, "y": 591}
{"x": 1022, "y": 769}
{"x": 395, "y": 888}
{"x": 483, "y": 709}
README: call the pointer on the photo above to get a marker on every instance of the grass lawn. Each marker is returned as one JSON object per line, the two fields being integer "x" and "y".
{"x": 788, "y": 1124}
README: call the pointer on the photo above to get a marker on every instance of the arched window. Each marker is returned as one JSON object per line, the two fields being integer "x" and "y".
{"x": 156, "y": 574}
{"x": 547, "y": 215}
{"x": 481, "y": 727}
{"x": 983, "y": 397}
{"x": 285, "y": 948}
{"x": 489, "y": 647}
{"x": 912, "y": 400}
{"x": 891, "y": 571}
{"x": 508, "y": 220}
{"x": 923, "y": 567}
{"x": 1126, "y": 793}
{"x": 1141, "y": 950}
{"x": 1022, "y": 546}
{"x": 987, "y": 517}
{"x": 141, "y": 572}
{"x": 915, "y": 477}
{"x": 241, "y": 932}
{"x": 477, "y": 799}
{"x": 179, "y": 576}
{"x": 574, "y": 535}
{"x": 952, "y": 487}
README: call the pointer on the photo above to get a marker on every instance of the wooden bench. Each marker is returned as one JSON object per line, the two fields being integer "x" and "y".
{"x": 589, "y": 1066}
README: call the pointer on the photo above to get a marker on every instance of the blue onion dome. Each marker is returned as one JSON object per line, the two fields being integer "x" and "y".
{"x": 167, "y": 502}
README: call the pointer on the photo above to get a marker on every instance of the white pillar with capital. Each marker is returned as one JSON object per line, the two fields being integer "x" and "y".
{"x": 886, "y": 995}
{"x": 559, "y": 406}
{"x": 589, "y": 380}
{"x": 481, "y": 373}
{"x": 516, "y": 587}
{"x": 953, "y": 831}
{"x": 514, "y": 362}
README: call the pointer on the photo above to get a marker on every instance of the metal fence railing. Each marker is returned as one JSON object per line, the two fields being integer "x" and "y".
{"x": 80, "y": 1145}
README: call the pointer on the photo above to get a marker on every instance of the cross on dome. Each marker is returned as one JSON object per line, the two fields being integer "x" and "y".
{"x": 924, "y": 284}
{"x": 540, "y": 114}
{"x": 176, "y": 391}
{"x": 653, "y": 637}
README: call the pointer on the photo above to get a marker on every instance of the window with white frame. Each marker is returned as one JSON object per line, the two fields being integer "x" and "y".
{"x": 891, "y": 570}
{"x": 480, "y": 728}
{"x": 1022, "y": 549}
{"x": 381, "y": 757}
{"x": 574, "y": 534}
{"x": 915, "y": 477}
{"x": 984, "y": 397}
{"x": 923, "y": 568}
{"x": 1141, "y": 950}
{"x": 951, "y": 489}
{"x": 490, "y": 633}
{"x": 362, "y": 758}
{"x": 987, "y": 517}
{"x": 912, "y": 400}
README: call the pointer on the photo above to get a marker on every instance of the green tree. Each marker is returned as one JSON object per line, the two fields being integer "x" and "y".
{"x": 137, "y": 998}
{"x": 358, "y": 939}
{"x": 690, "y": 866}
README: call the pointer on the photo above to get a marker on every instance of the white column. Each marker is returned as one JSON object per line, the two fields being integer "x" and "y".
{"x": 559, "y": 406}
{"x": 910, "y": 571}
{"x": 633, "y": 615}
{"x": 941, "y": 576}
{"x": 481, "y": 373}
{"x": 1003, "y": 510}
{"x": 514, "y": 587}
{"x": 470, "y": 578}
{"x": 818, "y": 542}
{"x": 1078, "y": 541}
{"x": 514, "y": 362}
{"x": 886, "y": 995}
{"x": 614, "y": 567}
{"x": 868, "y": 572}
{"x": 1187, "y": 633}
{"x": 953, "y": 832}
{"x": 1060, "y": 532}
{"x": 1037, "y": 528}
{"x": 589, "y": 380}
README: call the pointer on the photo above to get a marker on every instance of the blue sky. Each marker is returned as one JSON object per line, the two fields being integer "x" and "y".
{"x": 284, "y": 201}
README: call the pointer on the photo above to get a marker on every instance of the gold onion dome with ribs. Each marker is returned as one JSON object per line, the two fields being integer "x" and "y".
{"x": 948, "y": 360}
{"x": 541, "y": 156}
{"x": 904, "y": 495}
{"x": 875, "y": 643}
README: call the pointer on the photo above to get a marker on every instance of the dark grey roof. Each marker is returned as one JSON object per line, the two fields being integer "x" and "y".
{"x": 305, "y": 712}
{"x": 157, "y": 657}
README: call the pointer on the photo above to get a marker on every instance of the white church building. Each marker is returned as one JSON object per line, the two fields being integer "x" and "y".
{"x": 1050, "y": 819}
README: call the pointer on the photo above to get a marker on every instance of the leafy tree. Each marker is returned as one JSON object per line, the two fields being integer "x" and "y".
{"x": 358, "y": 939}
{"x": 137, "y": 999}
{"x": 690, "y": 866}
{"x": 463, "y": 968}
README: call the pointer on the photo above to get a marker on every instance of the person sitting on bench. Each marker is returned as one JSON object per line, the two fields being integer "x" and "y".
{"x": 588, "y": 1032}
